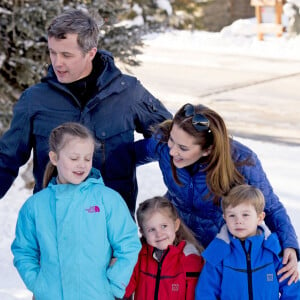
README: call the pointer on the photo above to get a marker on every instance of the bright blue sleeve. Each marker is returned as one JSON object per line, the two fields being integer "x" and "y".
{"x": 288, "y": 292}
{"x": 146, "y": 151}
{"x": 209, "y": 283}
{"x": 125, "y": 242}
{"x": 25, "y": 247}
{"x": 277, "y": 218}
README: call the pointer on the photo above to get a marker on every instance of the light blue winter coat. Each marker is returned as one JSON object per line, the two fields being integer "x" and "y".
{"x": 234, "y": 271}
{"x": 65, "y": 237}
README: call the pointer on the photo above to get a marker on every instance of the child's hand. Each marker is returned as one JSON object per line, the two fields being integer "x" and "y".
{"x": 112, "y": 261}
{"x": 290, "y": 268}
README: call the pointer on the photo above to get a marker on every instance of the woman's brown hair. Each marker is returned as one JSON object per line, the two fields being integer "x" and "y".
{"x": 222, "y": 173}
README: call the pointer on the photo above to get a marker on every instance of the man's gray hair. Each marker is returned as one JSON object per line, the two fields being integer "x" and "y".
{"x": 75, "y": 21}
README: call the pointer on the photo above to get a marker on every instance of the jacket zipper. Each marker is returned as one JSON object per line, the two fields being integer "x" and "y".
{"x": 249, "y": 272}
{"x": 157, "y": 280}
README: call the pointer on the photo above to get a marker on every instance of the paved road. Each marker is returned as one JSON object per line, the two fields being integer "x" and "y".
{"x": 257, "y": 97}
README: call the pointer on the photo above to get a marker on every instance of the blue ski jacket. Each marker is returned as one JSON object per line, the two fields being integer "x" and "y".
{"x": 237, "y": 270}
{"x": 120, "y": 107}
{"x": 65, "y": 237}
{"x": 198, "y": 212}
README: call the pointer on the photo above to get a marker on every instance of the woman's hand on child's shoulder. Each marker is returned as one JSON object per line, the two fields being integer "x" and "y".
{"x": 290, "y": 268}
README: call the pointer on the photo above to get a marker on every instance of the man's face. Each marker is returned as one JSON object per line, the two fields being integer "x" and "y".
{"x": 68, "y": 60}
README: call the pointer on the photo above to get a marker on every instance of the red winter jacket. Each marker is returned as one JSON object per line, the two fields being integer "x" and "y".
{"x": 173, "y": 277}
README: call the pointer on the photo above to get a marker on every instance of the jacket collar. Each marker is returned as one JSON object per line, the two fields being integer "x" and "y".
{"x": 146, "y": 249}
{"x": 225, "y": 243}
{"x": 108, "y": 75}
{"x": 93, "y": 178}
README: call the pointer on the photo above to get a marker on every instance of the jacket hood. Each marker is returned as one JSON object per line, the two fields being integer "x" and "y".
{"x": 226, "y": 236}
{"x": 183, "y": 246}
{"x": 225, "y": 242}
{"x": 147, "y": 248}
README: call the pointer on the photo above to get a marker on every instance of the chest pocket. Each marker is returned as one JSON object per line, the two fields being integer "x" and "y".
{"x": 114, "y": 132}
{"x": 113, "y": 156}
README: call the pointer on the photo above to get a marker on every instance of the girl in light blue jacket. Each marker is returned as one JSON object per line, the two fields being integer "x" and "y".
{"x": 67, "y": 234}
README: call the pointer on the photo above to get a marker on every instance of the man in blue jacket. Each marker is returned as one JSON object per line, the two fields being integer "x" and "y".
{"x": 82, "y": 85}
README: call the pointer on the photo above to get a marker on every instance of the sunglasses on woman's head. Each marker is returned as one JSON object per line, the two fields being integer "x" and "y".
{"x": 199, "y": 121}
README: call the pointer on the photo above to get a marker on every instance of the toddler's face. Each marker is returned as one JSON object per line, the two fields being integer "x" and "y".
{"x": 242, "y": 220}
{"x": 160, "y": 230}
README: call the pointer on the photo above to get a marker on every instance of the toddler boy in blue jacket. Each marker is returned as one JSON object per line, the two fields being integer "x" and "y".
{"x": 243, "y": 260}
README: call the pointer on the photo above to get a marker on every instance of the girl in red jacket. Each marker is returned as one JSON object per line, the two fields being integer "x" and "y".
{"x": 169, "y": 262}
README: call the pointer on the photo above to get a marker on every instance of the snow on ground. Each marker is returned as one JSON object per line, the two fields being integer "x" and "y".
{"x": 239, "y": 38}
{"x": 280, "y": 162}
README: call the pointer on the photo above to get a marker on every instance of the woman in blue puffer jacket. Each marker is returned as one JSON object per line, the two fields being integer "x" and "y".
{"x": 67, "y": 233}
{"x": 200, "y": 163}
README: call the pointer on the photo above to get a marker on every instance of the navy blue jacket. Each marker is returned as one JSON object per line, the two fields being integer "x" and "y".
{"x": 198, "y": 212}
{"x": 244, "y": 271}
{"x": 120, "y": 107}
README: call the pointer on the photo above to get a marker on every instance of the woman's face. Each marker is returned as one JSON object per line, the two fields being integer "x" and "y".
{"x": 184, "y": 149}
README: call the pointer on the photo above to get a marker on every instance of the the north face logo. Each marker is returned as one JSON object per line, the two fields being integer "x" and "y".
{"x": 93, "y": 209}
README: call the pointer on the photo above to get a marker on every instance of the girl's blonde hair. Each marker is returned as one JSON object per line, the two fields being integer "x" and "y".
{"x": 162, "y": 204}
{"x": 244, "y": 193}
{"x": 59, "y": 136}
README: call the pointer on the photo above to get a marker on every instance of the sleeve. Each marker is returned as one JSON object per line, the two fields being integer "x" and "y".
{"x": 146, "y": 151}
{"x": 277, "y": 218}
{"x": 125, "y": 243}
{"x": 209, "y": 283}
{"x": 25, "y": 248}
{"x": 131, "y": 287}
{"x": 287, "y": 292}
{"x": 149, "y": 111}
{"x": 15, "y": 145}
{"x": 193, "y": 266}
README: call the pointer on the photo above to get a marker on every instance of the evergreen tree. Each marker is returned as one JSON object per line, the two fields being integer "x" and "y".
{"x": 23, "y": 42}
